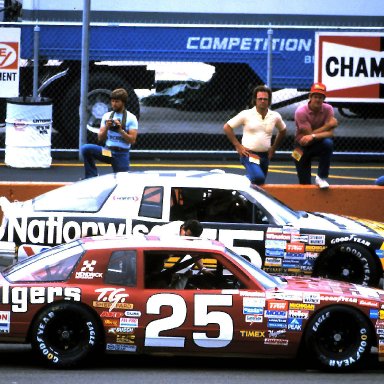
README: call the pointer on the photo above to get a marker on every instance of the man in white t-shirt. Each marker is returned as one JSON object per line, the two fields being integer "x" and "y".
{"x": 256, "y": 148}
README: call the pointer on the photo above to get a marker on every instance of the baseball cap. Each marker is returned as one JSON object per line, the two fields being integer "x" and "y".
{"x": 319, "y": 88}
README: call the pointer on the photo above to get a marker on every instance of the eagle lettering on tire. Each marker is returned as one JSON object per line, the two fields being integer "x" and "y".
{"x": 66, "y": 335}
{"x": 335, "y": 346}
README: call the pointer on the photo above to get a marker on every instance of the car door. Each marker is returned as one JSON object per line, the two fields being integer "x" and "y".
{"x": 210, "y": 315}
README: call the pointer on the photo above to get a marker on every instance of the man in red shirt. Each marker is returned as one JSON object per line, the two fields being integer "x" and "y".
{"x": 315, "y": 125}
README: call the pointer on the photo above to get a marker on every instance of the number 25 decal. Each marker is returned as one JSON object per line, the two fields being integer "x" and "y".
{"x": 202, "y": 318}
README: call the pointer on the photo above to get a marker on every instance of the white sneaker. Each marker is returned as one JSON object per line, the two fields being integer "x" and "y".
{"x": 321, "y": 183}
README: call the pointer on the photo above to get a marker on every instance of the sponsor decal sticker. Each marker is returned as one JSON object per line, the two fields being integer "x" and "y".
{"x": 254, "y": 318}
{"x": 113, "y": 296}
{"x": 275, "y": 244}
{"x": 303, "y": 306}
{"x": 298, "y": 314}
{"x": 5, "y": 317}
{"x": 125, "y": 339}
{"x": 111, "y": 322}
{"x": 369, "y": 303}
{"x": 315, "y": 248}
{"x": 132, "y": 313}
{"x": 120, "y": 330}
{"x": 311, "y": 298}
{"x": 252, "y": 334}
{"x": 276, "y": 314}
{"x": 316, "y": 239}
{"x": 130, "y": 322}
{"x": 276, "y": 334}
{"x": 295, "y": 324}
{"x": 277, "y": 305}
{"x": 271, "y": 341}
{"x": 274, "y": 252}
{"x": 272, "y": 262}
{"x": 121, "y": 347}
{"x": 278, "y": 236}
{"x": 295, "y": 248}
{"x": 253, "y": 310}
{"x": 277, "y": 324}
{"x": 108, "y": 314}
{"x": 253, "y": 302}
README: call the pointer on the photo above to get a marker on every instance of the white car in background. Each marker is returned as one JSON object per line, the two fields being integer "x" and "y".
{"x": 242, "y": 216}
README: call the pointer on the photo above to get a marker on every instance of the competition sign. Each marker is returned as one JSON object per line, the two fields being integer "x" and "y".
{"x": 9, "y": 62}
{"x": 351, "y": 65}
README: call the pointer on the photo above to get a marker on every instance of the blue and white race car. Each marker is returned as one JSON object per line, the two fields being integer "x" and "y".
{"x": 240, "y": 215}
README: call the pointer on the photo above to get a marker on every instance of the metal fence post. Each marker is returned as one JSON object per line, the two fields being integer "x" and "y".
{"x": 36, "y": 47}
{"x": 84, "y": 75}
{"x": 269, "y": 58}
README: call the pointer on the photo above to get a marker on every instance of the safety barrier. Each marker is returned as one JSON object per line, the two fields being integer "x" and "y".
{"x": 362, "y": 201}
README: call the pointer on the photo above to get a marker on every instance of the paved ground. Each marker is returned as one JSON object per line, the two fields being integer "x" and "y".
{"x": 281, "y": 172}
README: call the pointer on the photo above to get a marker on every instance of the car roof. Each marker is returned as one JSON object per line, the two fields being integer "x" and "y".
{"x": 191, "y": 178}
{"x": 150, "y": 241}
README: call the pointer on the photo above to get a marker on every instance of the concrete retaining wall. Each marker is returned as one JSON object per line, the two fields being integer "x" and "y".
{"x": 362, "y": 201}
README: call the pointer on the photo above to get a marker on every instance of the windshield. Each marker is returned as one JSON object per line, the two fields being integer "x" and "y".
{"x": 266, "y": 280}
{"x": 281, "y": 213}
{"x": 83, "y": 196}
{"x": 53, "y": 264}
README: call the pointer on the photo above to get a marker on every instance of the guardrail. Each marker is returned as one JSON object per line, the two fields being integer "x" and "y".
{"x": 362, "y": 201}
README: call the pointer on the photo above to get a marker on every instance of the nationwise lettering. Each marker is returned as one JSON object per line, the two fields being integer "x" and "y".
{"x": 53, "y": 230}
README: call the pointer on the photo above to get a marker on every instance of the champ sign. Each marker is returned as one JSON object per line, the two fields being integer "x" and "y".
{"x": 9, "y": 62}
{"x": 351, "y": 65}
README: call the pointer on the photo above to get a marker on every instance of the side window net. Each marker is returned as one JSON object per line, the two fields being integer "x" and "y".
{"x": 121, "y": 269}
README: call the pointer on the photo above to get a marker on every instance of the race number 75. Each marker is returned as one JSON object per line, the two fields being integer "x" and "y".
{"x": 228, "y": 236}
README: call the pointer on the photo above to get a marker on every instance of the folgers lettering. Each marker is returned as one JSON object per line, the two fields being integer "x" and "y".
{"x": 20, "y": 297}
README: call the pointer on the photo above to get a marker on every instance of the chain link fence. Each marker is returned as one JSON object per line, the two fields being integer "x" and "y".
{"x": 182, "y": 97}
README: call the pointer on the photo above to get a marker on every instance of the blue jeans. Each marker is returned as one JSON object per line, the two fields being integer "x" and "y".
{"x": 323, "y": 150}
{"x": 92, "y": 152}
{"x": 256, "y": 173}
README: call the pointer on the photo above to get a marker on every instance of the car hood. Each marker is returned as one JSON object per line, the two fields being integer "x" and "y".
{"x": 335, "y": 222}
{"x": 319, "y": 287}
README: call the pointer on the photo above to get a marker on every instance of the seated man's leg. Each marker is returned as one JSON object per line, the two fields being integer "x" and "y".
{"x": 325, "y": 152}
{"x": 120, "y": 162}
{"x": 92, "y": 152}
{"x": 303, "y": 167}
{"x": 254, "y": 172}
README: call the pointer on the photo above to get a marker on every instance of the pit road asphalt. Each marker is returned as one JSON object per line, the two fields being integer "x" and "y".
{"x": 280, "y": 172}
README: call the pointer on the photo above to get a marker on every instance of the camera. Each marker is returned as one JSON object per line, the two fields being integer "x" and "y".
{"x": 113, "y": 126}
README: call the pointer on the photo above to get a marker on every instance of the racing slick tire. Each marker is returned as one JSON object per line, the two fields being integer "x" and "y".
{"x": 65, "y": 335}
{"x": 348, "y": 262}
{"x": 333, "y": 346}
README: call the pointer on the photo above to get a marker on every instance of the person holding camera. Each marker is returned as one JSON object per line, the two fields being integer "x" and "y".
{"x": 118, "y": 130}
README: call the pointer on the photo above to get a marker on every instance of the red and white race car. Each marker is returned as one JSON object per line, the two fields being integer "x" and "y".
{"x": 123, "y": 295}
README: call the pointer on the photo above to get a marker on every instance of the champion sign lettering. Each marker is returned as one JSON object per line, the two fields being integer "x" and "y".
{"x": 351, "y": 65}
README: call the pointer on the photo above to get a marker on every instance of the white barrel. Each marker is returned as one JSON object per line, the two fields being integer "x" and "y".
{"x": 28, "y": 131}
